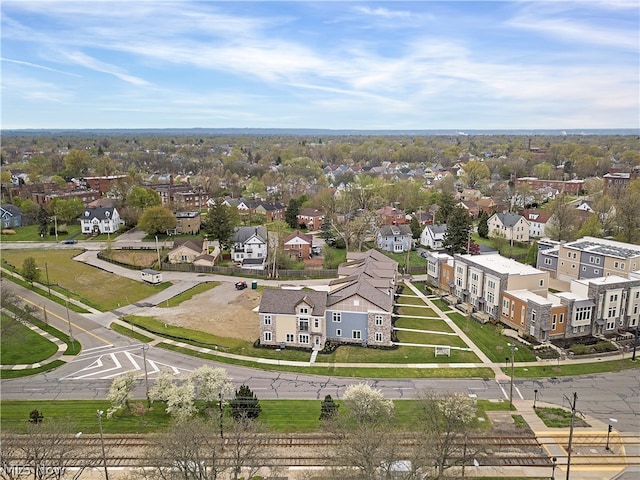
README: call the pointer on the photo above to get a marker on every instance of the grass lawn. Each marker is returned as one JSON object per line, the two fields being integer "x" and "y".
{"x": 430, "y": 338}
{"x": 283, "y": 416}
{"x": 423, "y": 324}
{"x": 441, "y": 304}
{"x": 30, "y": 234}
{"x": 79, "y": 280}
{"x": 127, "y": 332}
{"x": 20, "y": 345}
{"x": 416, "y": 311}
{"x": 189, "y": 294}
{"x": 30, "y": 371}
{"x": 551, "y": 370}
{"x": 559, "y": 418}
{"x": 488, "y": 338}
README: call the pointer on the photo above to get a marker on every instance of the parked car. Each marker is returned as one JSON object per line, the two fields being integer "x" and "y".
{"x": 241, "y": 285}
{"x": 70, "y": 241}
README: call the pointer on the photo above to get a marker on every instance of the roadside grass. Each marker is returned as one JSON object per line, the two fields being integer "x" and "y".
{"x": 188, "y": 295}
{"x": 79, "y": 281}
{"x": 122, "y": 330}
{"x": 6, "y": 374}
{"x": 559, "y": 418}
{"x": 73, "y": 348}
{"x": 520, "y": 422}
{"x": 20, "y": 345}
{"x": 30, "y": 234}
{"x": 430, "y": 338}
{"x": 279, "y": 416}
{"x": 550, "y": 370}
{"x": 488, "y": 338}
{"x": 43, "y": 292}
{"x": 423, "y": 324}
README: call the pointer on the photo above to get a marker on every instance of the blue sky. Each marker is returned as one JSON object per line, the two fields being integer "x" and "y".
{"x": 322, "y": 64}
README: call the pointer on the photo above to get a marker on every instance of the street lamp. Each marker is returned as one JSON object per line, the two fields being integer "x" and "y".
{"x": 611, "y": 422}
{"x": 70, "y": 331}
{"x": 535, "y": 397}
{"x": 514, "y": 349}
{"x": 46, "y": 269}
{"x": 99, "y": 414}
{"x": 553, "y": 468}
{"x": 145, "y": 347}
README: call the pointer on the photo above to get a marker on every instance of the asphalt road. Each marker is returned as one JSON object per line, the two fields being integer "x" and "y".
{"x": 107, "y": 354}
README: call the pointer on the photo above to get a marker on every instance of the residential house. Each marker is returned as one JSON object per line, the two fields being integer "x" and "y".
{"x": 469, "y": 194}
{"x": 11, "y": 216}
{"x": 615, "y": 183}
{"x": 589, "y": 257}
{"x": 103, "y": 184}
{"x": 533, "y": 314}
{"x": 510, "y": 226}
{"x": 249, "y": 246}
{"x": 271, "y": 210}
{"x": 440, "y": 271}
{"x": 356, "y": 309}
{"x": 188, "y": 222}
{"x": 100, "y": 220}
{"x": 394, "y": 238}
{"x": 433, "y": 235}
{"x": 571, "y": 187}
{"x": 470, "y": 206}
{"x": 537, "y": 221}
{"x": 187, "y": 250}
{"x": 311, "y": 218}
{"x": 298, "y": 245}
{"x": 391, "y": 216}
{"x": 488, "y": 205}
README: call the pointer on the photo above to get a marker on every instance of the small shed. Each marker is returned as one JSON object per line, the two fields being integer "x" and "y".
{"x": 151, "y": 276}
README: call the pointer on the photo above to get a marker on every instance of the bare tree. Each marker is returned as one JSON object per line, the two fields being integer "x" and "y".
{"x": 562, "y": 223}
{"x": 246, "y": 452}
{"x": 45, "y": 450}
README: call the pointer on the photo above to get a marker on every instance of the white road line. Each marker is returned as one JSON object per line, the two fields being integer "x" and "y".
{"x": 503, "y": 392}
{"x": 518, "y": 392}
{"x": 133, "y": 362}
{"x": 115, "y": 361}
{"x": 95, "y": 348}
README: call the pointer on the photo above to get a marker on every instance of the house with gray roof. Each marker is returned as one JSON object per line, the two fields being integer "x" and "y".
{"x": 100, "y": 220}
{"x": 356, "y": 309}
{"x": 510, "y": 226}
{"x": 394, "y": 238}
{"x": 249, "y": 243}
{"x": 11, "y": 216}
{"x": 433, "y": 235}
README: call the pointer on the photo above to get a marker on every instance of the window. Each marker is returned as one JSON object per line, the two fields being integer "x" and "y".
{"x": 582, "y": 313}
{"x": 505, "y": 307}
{"x": 378, "y": 337}
{"x": 533, "y": 316}
{"x": 303, "y": 310}
{"x": 491, "y": 284}
{"x": 541, "y": 283}
{"x": 490, "y": 297}
{"x": 290, "y": 337}
{"x": 596, "y": 271}
{"x": 575, "y": 329}
{"x": 303, "y": 338}
{"x": 635, "y": 309}
{"x": 267, "y": 319}
{"x": 316, "y": 323}
{"x": 613, "y": 298}
{"x": 611, "y": 324}
{"x": 612, "y": 312}
{"x": 336, "y": 316}
{"x": 338, "y": 332}
{"x": 379, "y": 320}
{"x": 474, "y": 276}
{"x": 562, "y": 318}
{"x": 303, "y": 325}
{"x": 554, "y": 321}
{"x": 356, "y": 334}
{"x": 267, "y": 336}
{"x": 523, "y": 312}
{"x": 356, "y": 303}
{"x": 547, "y": 261}
{"x": 584, "y": 269}
{"x": 474, "y": 289}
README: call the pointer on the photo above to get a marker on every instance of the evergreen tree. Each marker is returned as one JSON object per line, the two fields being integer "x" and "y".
{"x": 458, "y": 229}
{"x": 326, "y": 229}
{"x": 532, "y": 254}
{"x": 445, "y": 203}
{"x": 43, "y": 222}
{"x": 245, "y": 404}
{"x": 483, "y": 225}
{"x": 416, "y": 229}
{"x": 291, "y": 213}
{"x": 328, "y": 409}
{"x": 220, "y": 222}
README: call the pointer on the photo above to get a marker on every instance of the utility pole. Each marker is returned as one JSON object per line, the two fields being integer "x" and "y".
{"x": 46, "y": 269}
{"x": 44, "y": 309}
{"x": 104, "y": 455}
{"x": 146, "y": 376}
{"x": 573, "y": 416}
{"x": 70, "y": 332}
{"x": 513, "y": 351}
{"x": 635, "y": 346}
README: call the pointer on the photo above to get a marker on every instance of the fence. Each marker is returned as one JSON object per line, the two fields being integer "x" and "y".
{"x": 245, "y": 272}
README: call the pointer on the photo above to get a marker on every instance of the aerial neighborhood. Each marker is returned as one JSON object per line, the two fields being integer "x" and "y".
{"x": 553, "y": 257}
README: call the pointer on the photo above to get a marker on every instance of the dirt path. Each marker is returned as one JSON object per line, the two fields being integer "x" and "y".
{"x": 222, "y": 311}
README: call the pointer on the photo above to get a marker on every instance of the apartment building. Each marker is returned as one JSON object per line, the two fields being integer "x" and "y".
{"x": 589, "y": 257}
{"x": 533, "y": 314}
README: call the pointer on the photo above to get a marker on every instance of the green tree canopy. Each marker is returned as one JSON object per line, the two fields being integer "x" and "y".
{"x": 483, "y": 225}
{"x": 141, "y": 198}
{"x": 77, "y": 162}
{"x": 458, "y": 229}
{"x": 30, "y": 270}
{"x": 68, "y": 210}
{"x": 220, "y": 222}
{"x": 157, "y": 219}
{"x": 245, "y": 404}
{"x": 446, "y": 202}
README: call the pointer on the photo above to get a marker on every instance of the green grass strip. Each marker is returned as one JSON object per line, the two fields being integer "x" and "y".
{"x": 551, "y": 370}
{"x": 20, "y": 345}
{"x": 4, "y": 374}
{"x": 188, "y": 295}
{"x": 127, "y": 332}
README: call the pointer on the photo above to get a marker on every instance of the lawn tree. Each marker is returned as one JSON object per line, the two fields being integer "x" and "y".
{"x": 245, "y": 404}
{"x": 42, "y": 218}
{"x": 561, "y": 226}
{"x": 475, "y": 174}
{"x": 186, "y": 450}
{"x": 446, "y": 202}
{"x": 443, "y": 421}
{"x": 121, "y": 392}
{"x": 416, "y": 229}
{"x": 157, "y": 219}
{"x": 30, "y": 270}
{"x": 77, "y": 162}
{"x": 532, "y": 254}
{"x": 212, "y": 384}
{"x": 368, "y": 443}
{"x": 628, "y": 215}
{"x": 456, "y": 238}
{"x": 292, "y": 211}
{"x": 47, "y": 450}
{"x": 328, "y": 408}
{"x": 68, "y": 210}
{"x": 163, "y": 386}
{"x": 483, "y": 225}
{"x": 220, "y": 222}
{"x": 141, "y": 198}
{"x": 181, "y": 400}
{"x": 591, "y": 227}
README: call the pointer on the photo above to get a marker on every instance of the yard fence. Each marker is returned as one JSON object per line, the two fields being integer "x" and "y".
{"x": 246, "y": 272}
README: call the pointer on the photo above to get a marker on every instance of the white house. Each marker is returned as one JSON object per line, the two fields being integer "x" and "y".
{"x": 537, "y": 222}
{"x": 100, "y": 220}
{"x": 249, "y": 243}
{"x": 510, "y": 226}
{"x": 432, "y": 236}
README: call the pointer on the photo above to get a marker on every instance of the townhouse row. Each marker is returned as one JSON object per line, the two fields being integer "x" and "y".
{"x": 495, "y": 288}
{"x": 355, "y": 308}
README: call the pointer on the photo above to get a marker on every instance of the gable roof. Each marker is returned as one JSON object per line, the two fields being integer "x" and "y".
{"x": 101, "y": 213}
{"x": 393, "y": 230}
{"x": 297, "y": 234}
{"x": 195, "y": 244}
{"x": 242, "y": 234}
{"x": 9, "y": 210}
{"x": 285, "y": 301}
{"x": 508, "y": 219}
{"x": 310, "y": 212}
{"x": 437, "y": 229}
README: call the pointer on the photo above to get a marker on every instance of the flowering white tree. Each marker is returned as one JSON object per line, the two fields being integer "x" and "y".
{"x": 180, "y": 400}
{"x": 211, "y": 383}
{"x": 120, "y": 392}
{"x": 163, "y": 386}
{"x": 367, "y": 404}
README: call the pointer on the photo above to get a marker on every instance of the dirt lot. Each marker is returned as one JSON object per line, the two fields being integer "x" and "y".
{"x": 222, "y": 311}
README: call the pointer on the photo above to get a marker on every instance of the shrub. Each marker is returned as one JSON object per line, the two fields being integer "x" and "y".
{"x": 8, "y": 232}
